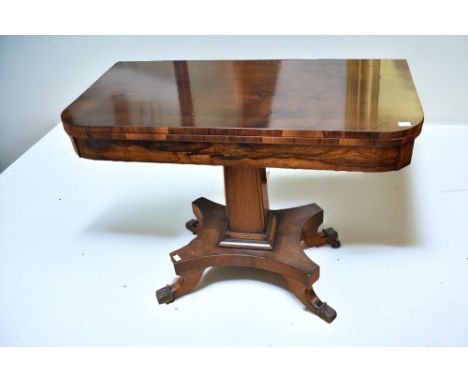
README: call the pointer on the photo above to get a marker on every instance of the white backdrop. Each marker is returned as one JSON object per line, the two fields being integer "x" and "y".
{"x": 84, "y": 244}
{"x": 41, "y": 75}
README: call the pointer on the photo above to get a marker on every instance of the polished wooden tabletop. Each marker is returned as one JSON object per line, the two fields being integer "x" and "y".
{"x": 277, "y": 98}
{"x": 354, "y": 115}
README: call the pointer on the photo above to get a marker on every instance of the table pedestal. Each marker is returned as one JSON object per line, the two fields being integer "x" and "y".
{"x": 247, "y": 233}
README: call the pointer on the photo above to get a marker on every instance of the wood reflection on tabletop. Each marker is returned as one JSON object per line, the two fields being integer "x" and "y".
{"x": 268, "y": 97}
{"x": 184, "y": 92}
{"x": 362, "y": 94}
{"x": 226, "y": 93}
{"x": 257, "y": 83}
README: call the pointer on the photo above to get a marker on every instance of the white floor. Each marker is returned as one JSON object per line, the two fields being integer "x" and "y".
{"x": 84, "y": 245}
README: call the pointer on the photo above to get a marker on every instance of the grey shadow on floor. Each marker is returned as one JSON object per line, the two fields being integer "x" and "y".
{"x": 215, "y": 275}
{"x": 225, "y": 273}
{"x": 364, "y": 208}
{"x": 146, "y": 216}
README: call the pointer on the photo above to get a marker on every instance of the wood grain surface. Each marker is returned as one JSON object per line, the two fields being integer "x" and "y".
{"x": 355, "y": 115}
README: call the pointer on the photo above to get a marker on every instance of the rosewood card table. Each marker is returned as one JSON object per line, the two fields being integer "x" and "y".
{"x": 345, "y": 115}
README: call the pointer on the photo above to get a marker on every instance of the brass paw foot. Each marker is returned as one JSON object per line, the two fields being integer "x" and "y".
{"x": 193, "y": 226}
{"x": 326, "y": 312}
{"x": 183, "y": 285}
{"x": 165, "y": 295}
{"x": 313, "y": 238}
{"x": 306, "y": 294}
{"x": 331, "y": 237}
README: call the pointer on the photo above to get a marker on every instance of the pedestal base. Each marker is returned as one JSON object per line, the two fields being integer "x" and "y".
{"x": 296, "y": 228}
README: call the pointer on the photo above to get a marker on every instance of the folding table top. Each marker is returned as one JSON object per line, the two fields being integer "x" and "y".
{"x": 290, "y": 98}
{"x": 364, "y": 103}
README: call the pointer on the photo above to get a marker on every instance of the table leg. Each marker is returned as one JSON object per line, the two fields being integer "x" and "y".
{"x": 267, "y": 239}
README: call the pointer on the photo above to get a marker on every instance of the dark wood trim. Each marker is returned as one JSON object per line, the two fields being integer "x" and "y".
{"x": 345, "y": 138}
{"x": 338, "y": 158}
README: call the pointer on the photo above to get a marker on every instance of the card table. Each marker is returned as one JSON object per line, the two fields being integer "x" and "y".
{"x": 247, "y": 115}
